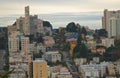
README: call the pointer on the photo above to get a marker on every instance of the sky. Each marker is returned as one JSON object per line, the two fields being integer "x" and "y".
{"x": 58, "y": 12}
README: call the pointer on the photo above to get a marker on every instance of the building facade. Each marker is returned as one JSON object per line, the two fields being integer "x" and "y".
{"x": 111, "y": 22}
{"x": 53, "y": 56}
{"x": 40, "y": 69}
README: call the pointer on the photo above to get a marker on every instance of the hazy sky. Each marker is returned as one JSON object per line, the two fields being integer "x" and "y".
{"x": 16, "y": 7}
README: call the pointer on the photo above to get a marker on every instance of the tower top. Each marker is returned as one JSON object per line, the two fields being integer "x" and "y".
{"x": 26, "y": 11}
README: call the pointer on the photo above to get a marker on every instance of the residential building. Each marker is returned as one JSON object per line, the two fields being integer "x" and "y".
{"x": 11, "y": 28}
{"x": 52, "y": 56}
{"x": 111, "y": 22}
{"x": 20, "y": 24}
{"x": 64, "y": 73}
{"x": 54, "y": 71}
{"x": 80, "y": 61}
{"x": 91, "y": 44}
{"x": 40, "y": 69}
{"x": 40, "y": 28}
{"x": 111, "y": 70}
{"x": 93, "y": 70}
{"x": 117, "y": 66}
{"x": 59, "y": 72}
{"x": 32, "y": 47}
{"x": 96, "y": 59}
{"x": 18, "y": 73}
{"x": 18, "y": 43}
{"x": 40, "y": 47}
{"x": 107, "y": 42}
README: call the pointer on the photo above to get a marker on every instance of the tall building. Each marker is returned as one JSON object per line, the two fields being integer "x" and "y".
{"x": 20, "y": 24}
{"x": 27, "y": 11}
{"x": 33, "y": 22}
{"x": 40, "y": 69}
{"x": 111, "y": 22}
{"x": 29, "y": 25}
{"x": 17, "y": 43}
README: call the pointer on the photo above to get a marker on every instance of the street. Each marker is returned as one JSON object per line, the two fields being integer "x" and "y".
{"x": 71, "y": 66}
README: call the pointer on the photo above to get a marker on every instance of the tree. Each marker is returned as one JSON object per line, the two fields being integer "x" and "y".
{"x": 83, "y": 31}
{"x": 71, "y": 27}
{"x": 79, "y": 40}
{"x": 80, "y": 50}
{"x": 83, "y": 51}
{"x": 6, "y": 74}
{"x": 37, "y": 55}
{"x": 117, "y": 43}
{"x": 78, "y": 28}
{"x": 39, "y": 39}
{"x": 47, "y": 24}
{"x": 66, "y": 47}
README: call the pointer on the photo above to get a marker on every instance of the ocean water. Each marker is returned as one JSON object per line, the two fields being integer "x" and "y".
{"x": 90, "y": 19}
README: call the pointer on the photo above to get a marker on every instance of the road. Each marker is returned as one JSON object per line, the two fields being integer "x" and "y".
{"x": 70, "y": 65}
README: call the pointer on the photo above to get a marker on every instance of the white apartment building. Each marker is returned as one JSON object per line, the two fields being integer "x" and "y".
{"x": 107, "y": 42}
{"x": 52, "y": 56}
{"x": 93, "y": 70}
{"x": 80, "y": 61}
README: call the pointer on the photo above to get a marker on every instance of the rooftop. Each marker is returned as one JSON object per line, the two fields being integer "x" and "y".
{"x": 39, "y": 60}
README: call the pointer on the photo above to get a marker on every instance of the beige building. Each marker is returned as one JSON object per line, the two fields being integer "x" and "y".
{"x": 111, "y": 22}
{"x": 91, "y": 44}
{"x": 111, "y": 70}
{"x": 13, "y": 45}
{"x": 11, "y": 28}
{"x": 20, "y": 24}
{"x": 80, "y": 61}
{"x": 40, "y": 28}
{"x": 28, "y": 25}
{"x": 25, "y": 44}
{"x": 18, "y": 43}
{"x": 107, "y": 42}
{"x": 64, "y": 76}
{"x": 27, "y": 11}
{"x": 40, "y": 69}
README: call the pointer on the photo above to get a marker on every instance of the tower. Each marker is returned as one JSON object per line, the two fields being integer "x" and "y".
{"x": 111, "y": 22}
{"x": 26, "y": 11}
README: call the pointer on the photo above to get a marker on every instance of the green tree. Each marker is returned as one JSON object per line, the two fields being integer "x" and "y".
{"x": 71, "y": 27}
{"x": 78, "y": 28}
{"x": 79, "y": 40}
{"x": 6, "y": 74}
{"x": 47, "y": 24}
{"x": 80, "y": 50}
{"x": 66, "y": 47}
{"x": 117, "y": 43}
{"x": 83, "y": 50}
{"x": 83, "y": 31}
